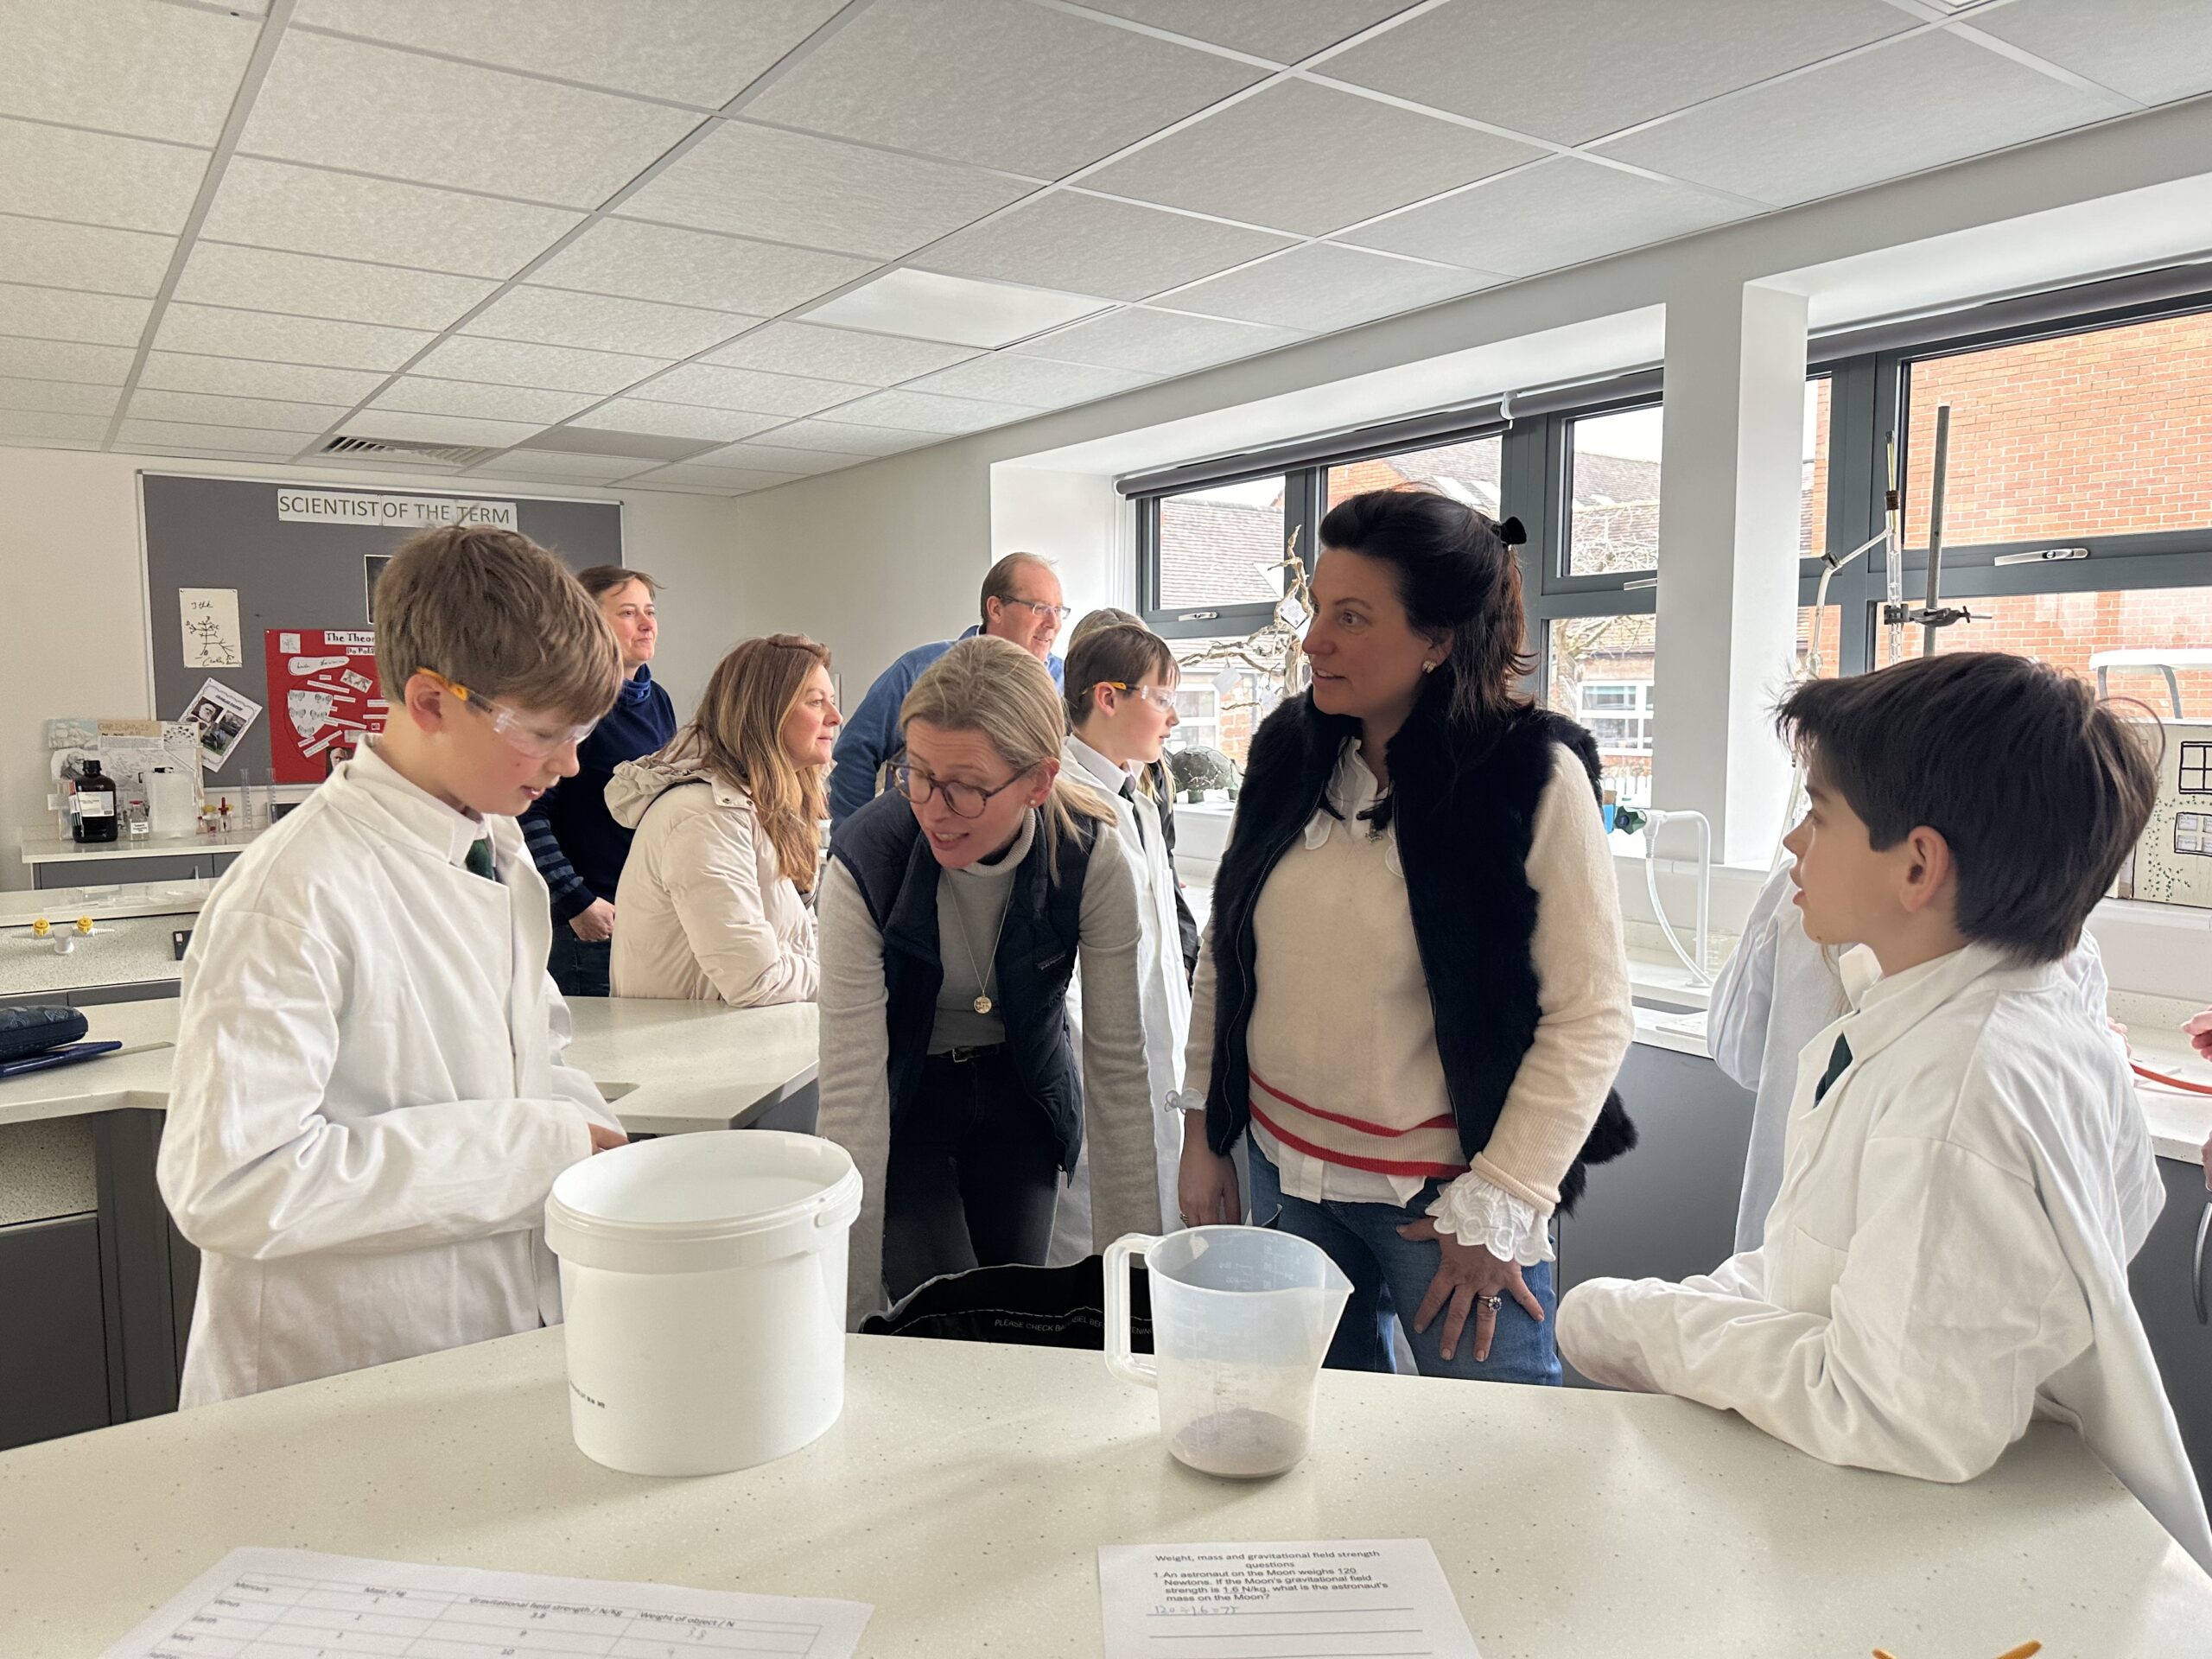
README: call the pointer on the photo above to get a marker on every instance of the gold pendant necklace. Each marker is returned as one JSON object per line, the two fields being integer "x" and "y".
{"x": 983, "y": 1004}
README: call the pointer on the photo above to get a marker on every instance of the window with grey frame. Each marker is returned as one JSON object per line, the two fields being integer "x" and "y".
{"x": 2078, "y": 513}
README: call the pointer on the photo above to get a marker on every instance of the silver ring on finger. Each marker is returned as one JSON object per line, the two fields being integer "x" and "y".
{"x": 1493, "y": 1303}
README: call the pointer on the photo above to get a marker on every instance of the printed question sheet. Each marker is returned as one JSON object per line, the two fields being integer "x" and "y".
{"x": 1376, "y": 1596}
{"x": 293, "y": 1603}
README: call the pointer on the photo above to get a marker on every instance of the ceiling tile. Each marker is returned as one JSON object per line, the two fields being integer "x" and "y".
{"x": 1836, "y": 128}
{"x": 60, "y": 172}
{"x": 721, "y": 491}
{"x": 236, "y": 377}
{"x": 58, "y": 429}
{"x": 58, "y": 397}
{"x": 773, "y": 458}
{"x": 58, "y": 314}
{"x": 1308, "y": 158}
{"x": 554, "y": 316}
{"x": 92, "y": 257}
{"x": 729, "y": 479}
{"x": 436, "y": 429}
{"x": 996, "y": 82}
{"x": 694, "y": 51}
{"x": 2153, "y": 50}
{"x": 840, "y": 437}
{"x": 427, "y": 396}
{"x": 270, "y": 205}
{"x": 601, "y": 443}
{"x": 211, "y": 331}
{"x": 793, "y": 186}
{"x": 540, "y": 464}
{"x": 660, "y": 262}
{"x": 1088, "y": 245}
{"x": 959, "y": 310}
{"x": 264, "y": 279}
{"x": 234, "y": 440}
{"x": 205, "y": 408}
{"x": 920, "y": 411}
{"x": 1324, "y": 287}
{"x": 155, "y": 71}
{"x": 56, "y": 360}
{"x": 1599, "y": 65}
{"x": 717, "y": 387}
{"x": 554, "y": 368}
{"x": 1033, "y": 381}
{"x": 678, "y": 420}
{"x": 838, "y": 354}
{"x": 345, "y": 103}
{"x": 1559, "y": 213}
{"x": 1156, "y": 342}
{"x": 1283, "y": 30}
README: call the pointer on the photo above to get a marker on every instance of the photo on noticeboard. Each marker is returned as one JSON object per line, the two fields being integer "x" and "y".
{"x": 374, "y": 564}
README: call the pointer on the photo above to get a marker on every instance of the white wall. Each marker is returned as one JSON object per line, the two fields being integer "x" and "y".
{"x": 75, "y": 567}
{"x": 1077, "y": 520}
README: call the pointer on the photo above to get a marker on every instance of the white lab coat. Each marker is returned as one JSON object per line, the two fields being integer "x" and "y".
{"x": 369, "y": 1106}
{"x": 1164, "y": 989}
{"x": 1778, "y": 991}
{"x": 1947, "y": 1257}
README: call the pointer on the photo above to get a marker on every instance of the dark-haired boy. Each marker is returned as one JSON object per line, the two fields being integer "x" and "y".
{"x": 1966, "y": 1171}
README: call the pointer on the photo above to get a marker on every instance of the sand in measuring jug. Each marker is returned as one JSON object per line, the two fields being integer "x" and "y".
{"x": 1240, "y": 1319}
{"x": 702, "y": 1278}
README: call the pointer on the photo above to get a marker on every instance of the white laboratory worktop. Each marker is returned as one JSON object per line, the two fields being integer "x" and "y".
{"x": 667, "y": 1067}
{"x": 967, "y": 1488}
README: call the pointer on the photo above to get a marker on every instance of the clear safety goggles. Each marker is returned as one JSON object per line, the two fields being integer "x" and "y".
{"x": 517, "y": 729}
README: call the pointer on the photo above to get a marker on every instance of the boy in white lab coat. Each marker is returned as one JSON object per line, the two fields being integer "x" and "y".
{"x": 369, "y": 1106}
{"x": 1967, "y": 1172}
{"x": 1120, "y": 692}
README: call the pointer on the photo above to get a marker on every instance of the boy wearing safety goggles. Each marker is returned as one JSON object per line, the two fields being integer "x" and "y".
{"x": 370, "y": 1105}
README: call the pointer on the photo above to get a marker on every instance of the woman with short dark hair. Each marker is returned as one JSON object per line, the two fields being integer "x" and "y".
{"x": 1413, "y": 993}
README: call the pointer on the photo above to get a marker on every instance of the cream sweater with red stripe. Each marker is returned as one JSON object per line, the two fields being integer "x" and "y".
{"x": 1341, "y": 1039}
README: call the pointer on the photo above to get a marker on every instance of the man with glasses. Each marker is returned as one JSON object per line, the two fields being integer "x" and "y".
{"x": 1020, "y": 601}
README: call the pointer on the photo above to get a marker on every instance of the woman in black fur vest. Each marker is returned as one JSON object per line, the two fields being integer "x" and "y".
{"x": 1413, "y": 993}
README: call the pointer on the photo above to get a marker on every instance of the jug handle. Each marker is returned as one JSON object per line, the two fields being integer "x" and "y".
{"x": 1121, "y": 1359}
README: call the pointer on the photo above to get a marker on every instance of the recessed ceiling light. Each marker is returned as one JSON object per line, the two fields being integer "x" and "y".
{"x": 959, "y": 310}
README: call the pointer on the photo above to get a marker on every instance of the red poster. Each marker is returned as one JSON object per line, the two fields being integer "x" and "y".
{"x": 322, "y": 691}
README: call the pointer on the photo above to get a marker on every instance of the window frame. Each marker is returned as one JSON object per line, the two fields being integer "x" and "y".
{"x": 1872, "y": 398}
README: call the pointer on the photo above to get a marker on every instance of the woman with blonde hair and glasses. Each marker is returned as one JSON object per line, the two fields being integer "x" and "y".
{"x": 954, "y": 908}
{"x": 715, "y": 896}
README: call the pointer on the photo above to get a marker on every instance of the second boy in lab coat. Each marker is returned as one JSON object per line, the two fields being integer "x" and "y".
{"x": 1967, "y": 1173}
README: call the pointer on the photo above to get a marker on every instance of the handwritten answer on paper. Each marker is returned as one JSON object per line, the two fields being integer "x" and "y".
{"x": 293, "y": 1604}
{"x": 1350, "y": 1597}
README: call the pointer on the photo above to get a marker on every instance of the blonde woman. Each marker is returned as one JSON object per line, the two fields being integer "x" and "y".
{"x": 714, "y": 896}
{"x": 954, "y": 908}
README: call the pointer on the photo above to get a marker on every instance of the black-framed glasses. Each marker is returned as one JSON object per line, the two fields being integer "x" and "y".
{"x": 961, "y": 800}
{"x": 1061, "y": 612}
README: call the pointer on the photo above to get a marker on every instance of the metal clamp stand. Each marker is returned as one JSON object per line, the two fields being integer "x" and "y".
{"x": 1933, "y": 616}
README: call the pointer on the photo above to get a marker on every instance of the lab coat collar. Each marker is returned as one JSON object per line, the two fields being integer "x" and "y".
{"x": 1109, "y": 776}
{"x": 417, "y": 813}
{"x": 1893, "y": 1006}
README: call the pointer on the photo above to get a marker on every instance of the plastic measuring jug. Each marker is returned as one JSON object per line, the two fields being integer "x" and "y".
{"x": 1241, "y": 1320}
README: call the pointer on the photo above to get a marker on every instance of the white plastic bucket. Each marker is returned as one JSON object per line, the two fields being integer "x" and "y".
{"x": 704, "y": 1281}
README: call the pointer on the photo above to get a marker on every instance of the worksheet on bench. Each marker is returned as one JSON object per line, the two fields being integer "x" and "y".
{"x": 293, "y": 1603}
{"x": 1375, "y": 1596}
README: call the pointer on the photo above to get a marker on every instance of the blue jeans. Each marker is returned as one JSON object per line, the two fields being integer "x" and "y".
{"x": 579, "y": 967}
{"x": 1390, "y": 1274}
